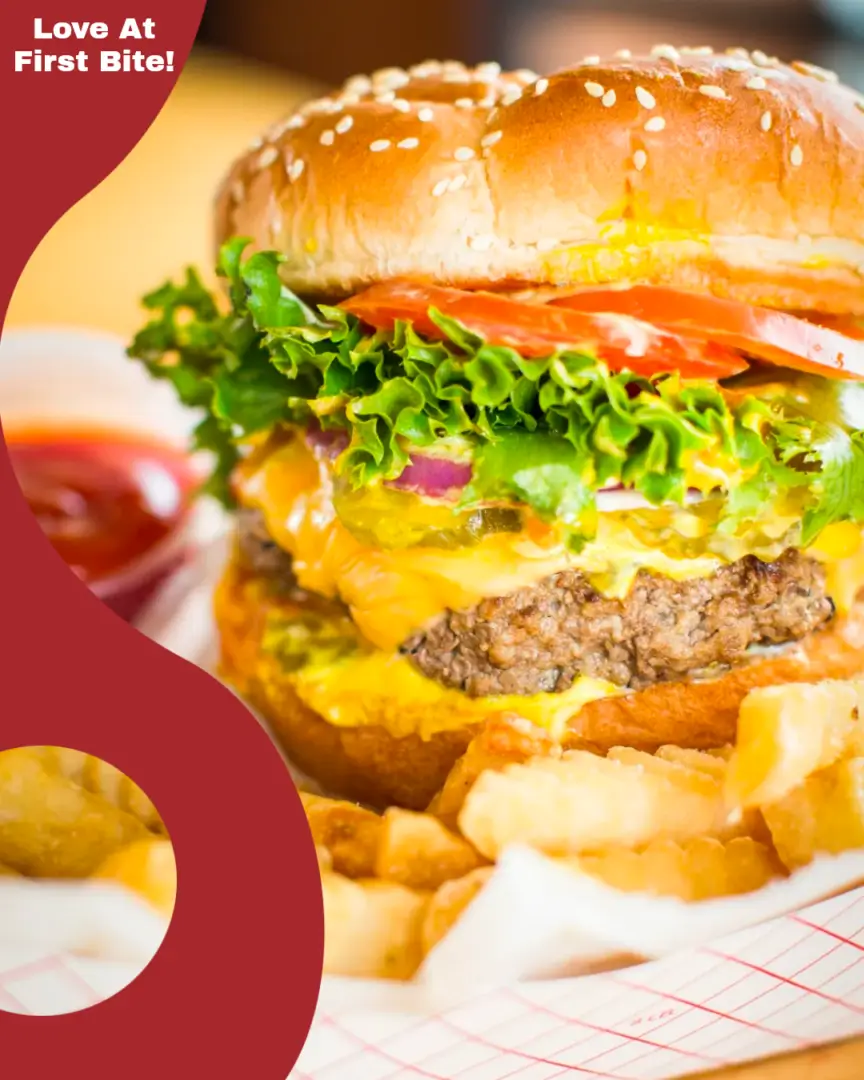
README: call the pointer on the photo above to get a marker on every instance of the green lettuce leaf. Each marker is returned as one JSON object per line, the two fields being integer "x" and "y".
{"x": 544, "y": 432}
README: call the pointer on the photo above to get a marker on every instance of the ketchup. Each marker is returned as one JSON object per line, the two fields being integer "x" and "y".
{"x": 109, "y": 503}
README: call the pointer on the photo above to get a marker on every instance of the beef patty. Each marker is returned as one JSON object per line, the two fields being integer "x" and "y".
{"x": 258, "y": 552}
{"x": 540, "y": 638}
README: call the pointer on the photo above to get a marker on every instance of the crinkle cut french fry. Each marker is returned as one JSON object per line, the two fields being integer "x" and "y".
{"x": 448, "y": 903}
{"x": 785, "y": 733}
{"x": 675, "y": 763}
{"x": 371, "y": 928}
{"x": 101, "y": 778}
{"x": 584, "y": 802}
{"x": 697, "y": 869}
{"x": 700, "y": 760}
{"x": 51, "y": 827}
{"x": 417, "y": 850}
{"x": 148, "y": 868}
{"x": 504, "y": 739}
{"x": 349, "y": 832}
{"x": 824, "y": 815}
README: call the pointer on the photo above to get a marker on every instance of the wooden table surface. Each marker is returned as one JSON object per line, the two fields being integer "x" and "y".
{"x": 150, "y": 218}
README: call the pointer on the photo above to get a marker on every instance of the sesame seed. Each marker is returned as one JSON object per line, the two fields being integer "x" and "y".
{"x": 464, "y": 153}
{"x": 296, "y": 121}
{"x": 817, "y": 72}
{"x": 541, "y": 86}
{"x": 324, "y": 105}
{"x": 645, "y": 98}
{"x": 623, "y": 54}
{"x": 401, "y": 105}
{"x": 526, "y": 75}
{"x": 547, "y": 244}
{"x": 640, "y": 160}
{"x": 743, "y": 53}
{"x": 656, "y": 123}
{"x": 457, "y": 77}
{"x": 735, "y": 64}
{"x": 345, "y": 124}
{"x": 350, "y": 99}
{"x": 295, "y": 169}
{"x": 488, "y": 100}
{"x": 481, "y": 243}
{"x": 511, "y": 95}
{"x": 267, "y": 157}
{"x": 440, "y": 188}
{"x": 426, "y": 114}
{"x": 379, "y": 145}
{"x": 796, "y": 157}
{"x": 358, "y": 84}
{"x": 713, "y": 92}
{"x": 697, "y": 50}
{"x": 666, "y": 52}
{"x": 409, "y": 144}
{"x": 452, "y": 65}
{"x": 386, "y": 97}
{"x": 590, "y": 59}
{"x": 595, "y": 89}
{"x": 327, "y": 137}
{"x": 609, "y": 99}
{"x": 490, "y": 139}
{"x": 391, "y": 78}
{"x": 464, "y": 103}
{"x": 760, "y": 58}
{"x": 491, "y": 67}
{"x": 424, "y": 70}
{"x": 766, "y": 121}
{"x": 256, "y": 143}
{"x": 756, "y": 83}
{"x": 457, "y": 182}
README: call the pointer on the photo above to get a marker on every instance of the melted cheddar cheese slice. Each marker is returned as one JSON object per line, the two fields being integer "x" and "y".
{"x": 385, "y": 689}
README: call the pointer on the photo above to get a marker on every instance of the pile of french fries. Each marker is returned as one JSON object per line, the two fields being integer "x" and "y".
{"x": 65, "y": 814}
{"x": 683, "y": 823}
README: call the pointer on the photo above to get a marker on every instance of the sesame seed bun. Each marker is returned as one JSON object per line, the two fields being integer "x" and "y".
{"x": 725, "y": 173}
{"x": 371, "y": 765}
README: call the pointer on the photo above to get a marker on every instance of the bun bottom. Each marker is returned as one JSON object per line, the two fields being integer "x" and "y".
{"x": 369, "y": 764}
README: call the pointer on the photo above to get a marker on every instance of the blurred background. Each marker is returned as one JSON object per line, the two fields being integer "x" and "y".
{"x": 325, "y": 40}
{"x": 255, "y": 59}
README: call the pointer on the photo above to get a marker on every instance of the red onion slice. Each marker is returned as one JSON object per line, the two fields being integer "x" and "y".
{"x": 439, "y": 478}
{"x": 331, "y": 443}
{"x": 434, "y": 477}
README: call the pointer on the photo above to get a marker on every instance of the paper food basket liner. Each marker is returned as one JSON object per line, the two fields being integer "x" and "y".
{"x": 545, "y": 975}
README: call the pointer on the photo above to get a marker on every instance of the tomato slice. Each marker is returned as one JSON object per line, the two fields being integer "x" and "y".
{"x": 535, "y": 330}
{"x": 773, "y": 336}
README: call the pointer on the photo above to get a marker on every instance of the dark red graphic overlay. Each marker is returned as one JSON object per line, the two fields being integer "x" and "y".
{"x": 232, "y": 991}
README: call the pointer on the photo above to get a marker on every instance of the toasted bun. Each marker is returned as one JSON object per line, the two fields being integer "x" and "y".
{"x": 370, "y": 765}
{"x": 730, "y": 173}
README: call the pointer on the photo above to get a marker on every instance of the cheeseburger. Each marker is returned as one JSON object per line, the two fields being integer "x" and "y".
{"x": 534, "y": 394}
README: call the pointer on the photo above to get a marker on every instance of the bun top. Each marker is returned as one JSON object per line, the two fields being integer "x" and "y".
{"x": 731, "y": 173}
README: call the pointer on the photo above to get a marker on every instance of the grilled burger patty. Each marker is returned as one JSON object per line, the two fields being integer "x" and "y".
{"x": 540, "y": 638}
{"x": 258, "y": 552}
